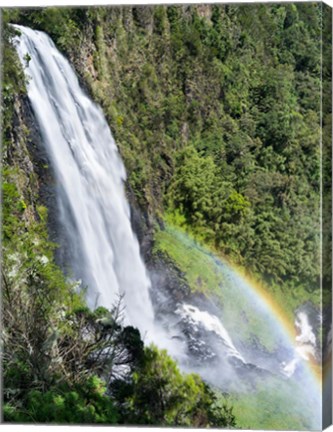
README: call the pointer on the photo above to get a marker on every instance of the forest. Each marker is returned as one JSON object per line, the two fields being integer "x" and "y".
{"x": 216, "y": 111}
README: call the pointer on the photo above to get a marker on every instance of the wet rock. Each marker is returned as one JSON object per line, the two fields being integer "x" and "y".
{"x": 142, "y": 226}
{"x": 168, "y": 282}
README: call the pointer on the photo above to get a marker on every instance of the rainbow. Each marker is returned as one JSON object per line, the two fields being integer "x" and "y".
{"x": 280, "y": 315}
{"x": 259, "y": 293}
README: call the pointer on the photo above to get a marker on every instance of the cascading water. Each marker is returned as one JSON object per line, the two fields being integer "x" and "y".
{"x": 210, "y": 323}
{"x": 104, "y": 251}
{"x": 91, "y": 178}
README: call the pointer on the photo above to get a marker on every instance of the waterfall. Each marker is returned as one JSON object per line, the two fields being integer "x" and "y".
{"x": 103, "y": 251}
{"x": 306, "y": 344}
{"x": 89, "y": 171}
{"x": 211, "y": 323}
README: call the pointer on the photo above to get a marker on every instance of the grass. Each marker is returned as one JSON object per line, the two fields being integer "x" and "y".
{"x": 177, "y": 232}
{"x": 204, "y": 275}
{"x": 198, "y": 268}
{"x": 275, "y": 405}
{"x": 242, "y": 310}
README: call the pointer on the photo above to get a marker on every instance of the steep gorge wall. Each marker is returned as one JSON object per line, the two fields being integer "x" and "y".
{"x": 117, "y": 53}
{"x": 25, "y": 163}
{"x": 215, "y": 110}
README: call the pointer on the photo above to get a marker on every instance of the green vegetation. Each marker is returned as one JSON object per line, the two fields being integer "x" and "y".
{"x": 199, "y": 265}
{"x": 61, "y": 360}
{"x": 216, "y": 112}
{"x": 63, "y": 363}
{"x": 199, "y": 269}
{"x": 159, "y": 394}
{"x": 13, "y": 84}
{"x": 85, "y": 404}
{"x": 327, "y": 157}
{"x": 266, "y": 406}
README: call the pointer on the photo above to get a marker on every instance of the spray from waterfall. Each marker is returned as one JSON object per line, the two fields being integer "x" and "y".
{"x": 103, "y": 250}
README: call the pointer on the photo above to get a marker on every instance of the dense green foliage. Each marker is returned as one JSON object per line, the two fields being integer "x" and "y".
{"x": 216, "y": 113}
{"x": 159, "y": 394}
{"x": 63, "y": 363}
{"x": 85, "y": 404}
{"x": 13, "y": 84}
{"x": 200, "y": 270}
{"x": 327, "y": 157}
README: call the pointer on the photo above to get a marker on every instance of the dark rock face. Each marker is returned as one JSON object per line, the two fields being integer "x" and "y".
{"x": 28, "y": 153}
{"x": 17, "y": 153}
{"x": 169, "y": 286}
{"x": 41, "y": 165}
{"x": 142, "y": 226}
{"x": 327, "y": 334}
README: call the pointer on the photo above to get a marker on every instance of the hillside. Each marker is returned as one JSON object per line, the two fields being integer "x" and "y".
{"x": 216, "y": 112}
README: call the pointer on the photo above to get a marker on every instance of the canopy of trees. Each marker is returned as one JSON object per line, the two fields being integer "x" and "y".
{"x": 216, "y": 110}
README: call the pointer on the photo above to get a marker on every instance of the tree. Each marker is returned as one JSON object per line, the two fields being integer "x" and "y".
{"x": 159, "y": 394}
{"x": 86, "y": 403}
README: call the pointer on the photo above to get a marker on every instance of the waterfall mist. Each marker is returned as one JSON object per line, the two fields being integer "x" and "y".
{"x": 103, "y": 251}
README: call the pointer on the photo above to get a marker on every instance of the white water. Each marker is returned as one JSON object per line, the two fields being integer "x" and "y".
{"x": 91, "y": 176}
{"x": 92, "y": 196}
{"x": 305, "y": 339}
{"x": 92, "y": 202}
{"x": 306, "y": 344}
{"x": 103, "y": 249}
{"x": 211, "y": 323}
